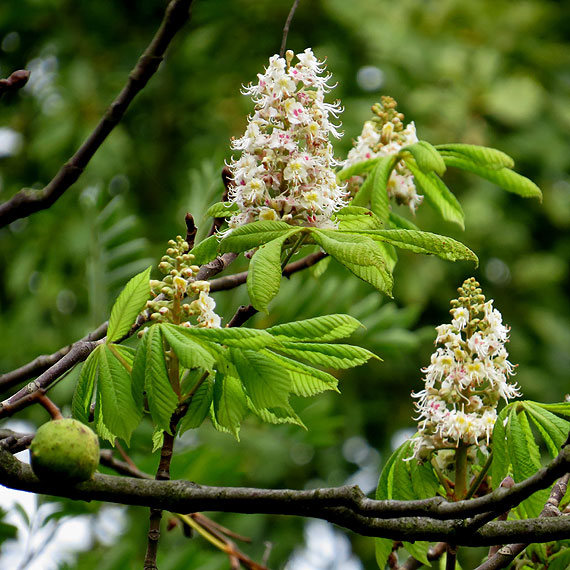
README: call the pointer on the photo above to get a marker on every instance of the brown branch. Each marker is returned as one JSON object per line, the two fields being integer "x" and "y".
{"x": 346, "y": 506}
{"x": 505, "y": 555}
{"x": 34, "y": 390}
{"x": 242, "y": 315}
{"x": 16, "y": 81}
{"x": 286, "y": 27}
{"x": 45, "y": 361}
{"x": 28, "y": 201}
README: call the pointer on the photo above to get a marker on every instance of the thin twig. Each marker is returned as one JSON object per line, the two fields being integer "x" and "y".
{"x": 286, "y": 27}
{"x": 16, "y": 81}
{"x": 45, "y": 361}
{"x": 28, "y": 201}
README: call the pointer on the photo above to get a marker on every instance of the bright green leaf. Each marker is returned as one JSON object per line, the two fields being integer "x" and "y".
{"x": 128, "y": 305}
{"x": 379, "y": 201}
{"x": 229, "y": 403}
{"x": 357, "y": 218}
{"x": 479, "y": 155}
{"x": 119, "y": 410}
{"x": 83, "y": 395}
{"x": 357, "y": 169}
{"x": 239, "y": 337}
{"x": 337, "y": 356}
{"x": 264, "y": 275}
{"x": 199, "y": 406}
{"x": 253, "y": 235}
{"x": 222, "y": 209}
{"x": 426, "y": 156}
{"x": 191, "y": 352}
{"x": 359, "y": 255}
{"x": 318, "y": 329}
{"x": 206, "y": 250}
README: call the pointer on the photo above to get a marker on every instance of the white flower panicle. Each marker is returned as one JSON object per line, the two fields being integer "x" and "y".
{"x": 180, "y": 282}
{"x": 285, "y": 168}
{"x": 468, "y": 375}
{"x": 385, "y": 135}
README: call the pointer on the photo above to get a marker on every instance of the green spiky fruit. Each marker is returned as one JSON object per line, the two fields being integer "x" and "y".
{"x": 64, "y": 451}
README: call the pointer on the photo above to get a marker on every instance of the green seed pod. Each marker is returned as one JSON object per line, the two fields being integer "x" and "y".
{"x": 64, "y": 451}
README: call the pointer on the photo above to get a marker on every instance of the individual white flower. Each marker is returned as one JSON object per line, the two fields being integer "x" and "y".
{"x": 466, "y": 378}
{"x": 286, "y": 156}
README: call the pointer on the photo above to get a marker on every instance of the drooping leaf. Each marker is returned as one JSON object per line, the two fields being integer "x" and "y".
{"x": 525, "y": 459}
{"x": 359, "y": 255}
{"x": 150, "y": 377}
{"x": 357, "y": 169}
{"x": 357, "y": 218}
{"x": 561, "y": 408}
{"x": 199, "y": 406}
{"x": 481, "y": 155}
{"x": 438, "y": 194}
{"x": 305, "y": 380}
{"x": 505, "y": 178}
{"x": 222, "y": 209}
{"x": 500, "y": 464}
{"x": 128, "y": 305}
{"x": 119, "y": 410}
{"x": 276, "y": 415}
{"x": 264, "y": 274}
{"x": 206, "y": 250}
{"x": 364, "y": 193}
{"x": 229, "y": 403}
{"x": 318, "y": 329}
{"x": 85, "y": 388}
{"x": 383, "y": 548}
{"x": 426, "y": 156}
{"x": 423, "y": 242}
{"x": 338, "y": 356}
{"x": 191, "y": 352}
{"x": 239, "y": 337}
{"x": 419, "y": 550}
{"x": 379, "y": 201}
{"x": 267, "y": 384}
{"x": 252, "y": 235}
{"x": 553, "y": 429}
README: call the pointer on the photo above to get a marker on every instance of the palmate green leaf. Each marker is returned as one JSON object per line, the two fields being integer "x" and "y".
{"x": 150, "y": 377}
{"x": 339, "y": 356}
{"x": 199, "y": 406}
{"x": 438, "y": 194}
{"x": 229, "y": 403}
{"x": 423, "y": 242}
{"x": 252, "y": 235}
{"x": 505, "y": 178}
{"x": 206, "y": 250}
{"x": 305, "y": 380}
{"x": 379, "y": 201}
{"x": 191, "y": 352}
{"x": 267, "y": 384}
{"x": 119, "y": 410}
{"x": 357, "y": 218}
{"x": 85, "y": 388}
{"x": 359, "y": 255}
{"x": 525, "y": 458}
{"x": 239, "y": 337}
{"x": 480, "y": 155}
{"x": 222, "y": 209}
{"x": 128, "y": 305}
{"x": 357, "y": 169}
{"x": 553, "y": 429}
{"x": 318, "y": 329}
{"x": 426, "y": 156}
{"x": 264, "y": 274}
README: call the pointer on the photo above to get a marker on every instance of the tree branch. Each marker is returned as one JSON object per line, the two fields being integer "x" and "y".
{"x": 16, "y": 81}
{"x": 346, "y": 506}
{"x": 28, "y": 201}
{"x": 45, "y": 361}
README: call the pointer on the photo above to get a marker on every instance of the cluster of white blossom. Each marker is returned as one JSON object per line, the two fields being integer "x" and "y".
{"x": 385, "y": 135}
{"x": 180, "y": 282}
{"x": 285, "y": 168}
{"x": 468, "y": 375}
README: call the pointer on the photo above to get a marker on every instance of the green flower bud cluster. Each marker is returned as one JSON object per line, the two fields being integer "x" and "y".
{"x": 179, "y": 282}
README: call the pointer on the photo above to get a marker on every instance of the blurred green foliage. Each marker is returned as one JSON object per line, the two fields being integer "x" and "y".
{"x": 489, "y": 72}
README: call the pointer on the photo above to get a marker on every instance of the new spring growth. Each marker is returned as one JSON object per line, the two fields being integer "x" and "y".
{"x": 385, "y": 135}
{"x": 467, "y": 377}
{"x": 285, "y": 168}
{"x": 178, "y": 283}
